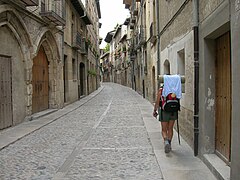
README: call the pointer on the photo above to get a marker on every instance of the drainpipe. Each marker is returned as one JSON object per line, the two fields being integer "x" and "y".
{"x": 196, "y": 73}
{"x": 158, "y": 41}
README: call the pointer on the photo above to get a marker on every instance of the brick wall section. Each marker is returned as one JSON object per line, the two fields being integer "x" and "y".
{"x": 206, "y": 7}
{"x": 167, "y": 9}
{"x": 179, "y": 27}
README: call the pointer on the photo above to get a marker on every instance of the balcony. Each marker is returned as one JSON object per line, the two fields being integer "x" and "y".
{"x": 78, "y": 5}
{"x": 141, "y": 36}
{"x": 84, "y": 48}
{"x": 135, "y": 12}
{"x": 79, "y": 43}
{"x": 153, "y": 34}
{"x": 52, "y": 11}
{"x": 30, "y": 2}
{"x": 133, "y": 20}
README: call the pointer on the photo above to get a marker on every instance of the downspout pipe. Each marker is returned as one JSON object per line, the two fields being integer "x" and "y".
{"x": 158, "y": 40}
{"x": 196, "y": 73}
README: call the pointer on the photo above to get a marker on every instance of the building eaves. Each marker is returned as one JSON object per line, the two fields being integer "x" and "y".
{"x": 117, "y": 31}
{"x": 78, "y": 5}
{"x": 87, "y": 19}
{"x": 109, "y": 36}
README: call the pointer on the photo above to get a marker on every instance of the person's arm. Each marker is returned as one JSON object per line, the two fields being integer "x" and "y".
{"x": 156, "y": 105}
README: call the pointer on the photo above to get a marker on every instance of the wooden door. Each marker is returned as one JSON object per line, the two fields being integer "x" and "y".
{"x": 6, "y": 116}
{"x": 82, "y": 77}
{"x": 223, "y": 97}
{"x": 40, "y": 82}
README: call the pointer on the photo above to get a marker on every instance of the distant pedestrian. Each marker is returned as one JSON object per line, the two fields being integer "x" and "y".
{"x": 166, "y": 117}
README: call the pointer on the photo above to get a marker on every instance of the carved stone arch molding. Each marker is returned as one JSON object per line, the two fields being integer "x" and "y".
{"x": 45, "y": 35}
{"x": 17, "y": 45}
{"x": 10, "y": 18}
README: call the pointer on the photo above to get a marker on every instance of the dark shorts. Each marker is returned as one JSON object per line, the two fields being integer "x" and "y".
{"x": 167, "y": 116}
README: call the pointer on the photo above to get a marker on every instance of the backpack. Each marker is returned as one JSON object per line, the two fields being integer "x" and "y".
{"x": 170, "y": 103}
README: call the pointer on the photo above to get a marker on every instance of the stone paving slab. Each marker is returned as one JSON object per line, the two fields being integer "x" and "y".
{"x": 119, "y": 138}
{"x": 119, "y": 121}
{"x": 109, "y": 164}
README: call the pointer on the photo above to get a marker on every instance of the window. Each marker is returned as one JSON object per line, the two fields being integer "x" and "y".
{"x": 74, "y": 69}
{"x": 166, "y": 67}
{"x": 181, "y": 65}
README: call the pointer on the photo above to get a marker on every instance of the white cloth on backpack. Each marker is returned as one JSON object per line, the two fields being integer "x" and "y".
{"x": 172, "y": 84}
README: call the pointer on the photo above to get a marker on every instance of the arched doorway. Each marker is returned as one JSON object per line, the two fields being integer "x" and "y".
{"x": 14, "y": 68}
{"x": 166, "y": 67}
{"x": 40, "y": 82}
{"x": 82, "y": 77}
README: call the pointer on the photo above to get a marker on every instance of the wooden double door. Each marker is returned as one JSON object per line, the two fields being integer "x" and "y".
{"x": 223, "y": 97}
{"x": 6, "y": 113}
{"x": 40, "y": 82}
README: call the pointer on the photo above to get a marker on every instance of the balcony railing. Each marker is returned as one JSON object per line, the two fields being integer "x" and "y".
{"x": 79, "y": 43}
{"x": 52, "y": 10}
{"x": 30, "y": 2}
{"x": 141, "y": 38}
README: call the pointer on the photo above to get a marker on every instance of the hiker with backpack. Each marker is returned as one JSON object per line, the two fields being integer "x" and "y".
{"x": 167, "y": 106}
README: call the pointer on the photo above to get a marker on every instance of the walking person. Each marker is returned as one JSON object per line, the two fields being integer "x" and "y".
{"x": 168, "y": 115}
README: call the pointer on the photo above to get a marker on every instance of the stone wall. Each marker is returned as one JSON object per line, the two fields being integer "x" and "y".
{"x": 180, "y": 25}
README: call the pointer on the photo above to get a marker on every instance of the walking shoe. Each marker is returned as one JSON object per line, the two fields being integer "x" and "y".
{"x": 170, "y": 144}
{"x": 167, "y": 146}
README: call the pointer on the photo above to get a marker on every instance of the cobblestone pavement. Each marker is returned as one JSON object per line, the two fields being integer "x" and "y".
{"x": 103, "y": 139}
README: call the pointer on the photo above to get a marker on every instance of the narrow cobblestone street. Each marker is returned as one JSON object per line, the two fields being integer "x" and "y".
{"x": 104, "y": 138}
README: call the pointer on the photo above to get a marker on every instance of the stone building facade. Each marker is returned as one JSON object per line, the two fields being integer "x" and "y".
{"x": 81, "y": 51}
{"x": 117, "y": 64}
{"x": 143, "y": 47}
{"x": 49, "y": 55}
{"x": 31, "y": 57}
{"x": 200, "y": 41}
{"x": 93, "y": 56}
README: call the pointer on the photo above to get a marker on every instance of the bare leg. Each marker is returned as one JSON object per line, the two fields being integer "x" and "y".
{"x": 165, "y": 135}
{"x": 170, "y": 129}
{"x": 164, "y": 130}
